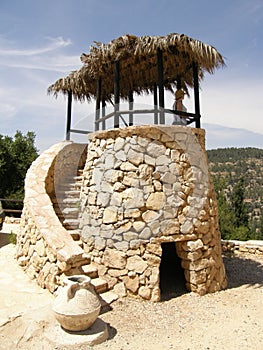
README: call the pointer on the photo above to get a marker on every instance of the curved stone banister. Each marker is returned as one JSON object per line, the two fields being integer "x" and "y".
{"x": 45, "y": 249}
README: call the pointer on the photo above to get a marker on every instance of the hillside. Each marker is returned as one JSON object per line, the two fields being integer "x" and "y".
{"x": 229, "y": 166}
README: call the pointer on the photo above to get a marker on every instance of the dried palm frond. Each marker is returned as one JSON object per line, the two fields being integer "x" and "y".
{"x": 138, "y": 65}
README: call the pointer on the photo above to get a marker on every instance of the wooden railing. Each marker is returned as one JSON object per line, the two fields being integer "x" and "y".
{"x": 157, "y": 112}
{"x": 9, "y": 210}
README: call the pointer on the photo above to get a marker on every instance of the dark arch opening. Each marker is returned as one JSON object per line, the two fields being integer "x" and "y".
{"x": 172, "y": 280}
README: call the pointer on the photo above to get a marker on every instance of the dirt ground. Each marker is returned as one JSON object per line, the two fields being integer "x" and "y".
{"x": 230, "y": 319}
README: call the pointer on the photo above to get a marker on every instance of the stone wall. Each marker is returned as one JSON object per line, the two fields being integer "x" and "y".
{"x": 236, "y": 247}
{"x": 144, "y": 186}
{"x": 45, "y": 249}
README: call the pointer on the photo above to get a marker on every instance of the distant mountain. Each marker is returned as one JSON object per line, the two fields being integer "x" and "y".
{"x": 218, "y": 136}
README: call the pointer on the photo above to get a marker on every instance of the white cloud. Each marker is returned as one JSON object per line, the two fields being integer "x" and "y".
{"x": 54, "y": 44}
{"x": 233, "y": 103}
{"x": 7, "y": 110}
{"x": 45, "y": 57}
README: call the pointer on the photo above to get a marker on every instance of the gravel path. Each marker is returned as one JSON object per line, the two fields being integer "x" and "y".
{"x": 230, "y": 319}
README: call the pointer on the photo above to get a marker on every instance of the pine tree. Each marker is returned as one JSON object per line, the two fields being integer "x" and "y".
{"x": 238, "y": 204}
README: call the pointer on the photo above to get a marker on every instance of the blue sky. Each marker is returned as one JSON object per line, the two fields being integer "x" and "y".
{"x": 41, "y": 41}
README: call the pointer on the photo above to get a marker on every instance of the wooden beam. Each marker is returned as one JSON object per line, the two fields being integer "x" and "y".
{"x": 196, "y": 95}
{"x": 69, "y": 111}
{"x": 116, "y": 93}
{"x": 131, "y": 100}
{"x": 103, "y": 113}
{"x": 160, "y": 84}
{"x": 98, "y": 99}
{"x": 155, "y": 101}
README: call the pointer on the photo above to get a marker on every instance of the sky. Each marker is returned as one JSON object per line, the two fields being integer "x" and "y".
{"x": 41, "y": 41}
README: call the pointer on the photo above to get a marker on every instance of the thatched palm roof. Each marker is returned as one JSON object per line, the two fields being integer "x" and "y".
{"x": 138, "y": 65}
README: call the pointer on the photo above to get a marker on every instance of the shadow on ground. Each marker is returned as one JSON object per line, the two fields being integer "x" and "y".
{"x": 4, "y": 239}
{"x": 243, "y": 271}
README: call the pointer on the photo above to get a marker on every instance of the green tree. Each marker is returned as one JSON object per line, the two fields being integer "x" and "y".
{"x": 225, "y": 212}
{"x": 16, "y": 156}
{"x": 237, "y": 200}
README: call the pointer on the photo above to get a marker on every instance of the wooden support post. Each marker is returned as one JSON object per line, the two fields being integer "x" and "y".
{"x": 196, "y": 95}
{"x": 160, "y": 85}
{"x": 155, "y": 101}
{"x": 116, "y": 93}
{"x": 69, "y": 111}
{"x": 103, "y": 113}
{"x": 98, "y": 99}
{"x": 131, "y": 107}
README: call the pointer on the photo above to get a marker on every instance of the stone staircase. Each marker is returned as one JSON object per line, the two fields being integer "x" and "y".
{"x": 66, "y": 205}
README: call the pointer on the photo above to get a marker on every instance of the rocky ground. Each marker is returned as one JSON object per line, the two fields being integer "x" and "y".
{"x": 230, "y": 319}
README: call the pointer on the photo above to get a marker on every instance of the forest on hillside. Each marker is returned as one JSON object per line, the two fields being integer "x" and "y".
{"x": 237, "y": 177}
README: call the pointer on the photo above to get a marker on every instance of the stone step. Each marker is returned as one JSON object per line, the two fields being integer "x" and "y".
{"x": 62, "y": 200}
{"x": 80, "y": 243}
{"x": 78, "y": 177}
{"x": 75, "y": 234}
{"x": 99, "y": 284}
{"x": 71, "y": 212}
{"x": 107, "y": 298}
{"x": 62, "y": 217}
{"x": 90, "y": 270}
{"x": 69, "y": 194}
{"x": 69, "y": 186}
{"x": 86, "y": 259}
{"x": 71, "y": 224}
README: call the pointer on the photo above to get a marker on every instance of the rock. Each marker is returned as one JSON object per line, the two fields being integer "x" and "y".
{"x": 136, "y": 263}
{"x": 40, "y": 248}
{"x": 113, "y": 175}
{"x": 103, "y": 199}
{"x": 192, "y": 246}
{"x": 145, "y": 234}
{"x": 145, "y": 292}
{"x": 120, "y": 289}
{"x": 156, "y": 201}
{"x": 109, "y": 161}
{"x": 100, "y": 243}
{"x": 149, "y": 160}
{"x": 114, "y": 258}
{"x": 118, "y": 144}
{"x": 118, "y": 186}
{"x": 163, "y": 160}
{"x": 150, "y": 215}
{"x": 116, "y": 199}
{"x": 154, "y": 249}
{"x": 135, "y": 243}
{"x": 117, "y": 272}
{"x": 129, "y": 236}
{"x": 128, "y": 166}
{"x": 134, "y": 198}
{"x": 110, "y": 215}
{"x": 169, "y": 178}
{"x": 123, "y": 245}
{"x": 131, "y": 283}
{"x": 132, "y": 213}
{"x": 187, "y": 227}
{"x": 155, "y": 149}
{"x": 134, "y": 157}
{"x": 130, "y": 180}
{"x": 123, "y": 228}
{"x": 138, "y": 225}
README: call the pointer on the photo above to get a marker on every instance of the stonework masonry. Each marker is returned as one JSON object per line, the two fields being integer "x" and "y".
{"x": 237, "y": 247}
{"x": 45, "y": 249}
{"x": 144, "y": 186}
